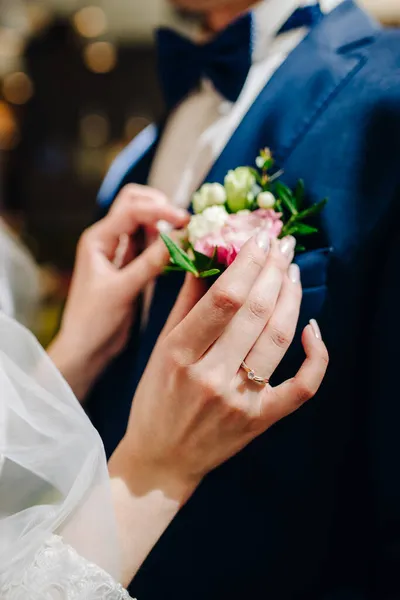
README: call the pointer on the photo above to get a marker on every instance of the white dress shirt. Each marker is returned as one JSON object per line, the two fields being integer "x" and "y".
{"x": 200, "y": 127}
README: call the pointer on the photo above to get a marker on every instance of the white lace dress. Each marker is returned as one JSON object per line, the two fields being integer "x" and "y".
{"x": 59, "y": 573}
{"x": 58, "y": 534}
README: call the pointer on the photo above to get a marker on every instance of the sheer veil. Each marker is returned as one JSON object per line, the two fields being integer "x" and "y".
{"x": 20, "y": 291}
{"x": 53, "y": 471}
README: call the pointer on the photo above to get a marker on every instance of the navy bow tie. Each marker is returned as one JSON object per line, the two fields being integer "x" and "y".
{"x": 225, "y": 60}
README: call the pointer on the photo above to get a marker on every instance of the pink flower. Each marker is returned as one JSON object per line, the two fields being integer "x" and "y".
{"x": 239, "y": 228}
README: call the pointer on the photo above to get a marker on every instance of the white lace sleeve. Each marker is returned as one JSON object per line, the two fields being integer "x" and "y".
{"x": 57, "y": 572}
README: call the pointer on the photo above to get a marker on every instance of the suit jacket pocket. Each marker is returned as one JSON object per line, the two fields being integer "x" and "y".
{"x": 314, "y": 267}
{"x": 314, "y": 275}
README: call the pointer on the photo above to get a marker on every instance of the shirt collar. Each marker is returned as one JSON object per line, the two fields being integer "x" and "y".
{"x": 269, "y": 16}
{"x": 170, "y": 17}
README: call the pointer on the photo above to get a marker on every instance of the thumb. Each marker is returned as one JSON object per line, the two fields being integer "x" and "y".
{"x": 191, "y": 292}
{"x": 147, "y": 266}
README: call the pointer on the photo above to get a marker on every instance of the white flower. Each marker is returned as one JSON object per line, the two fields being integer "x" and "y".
{"x": 199, "y": 202}
{"x": 266, "y": 200}
{"x": 260, "y": 162}
{"x": 238, "y": 185}
{"x": 211, "y": 220}
{"x": 216, "y": 193}
{"x": 208, "y": 195}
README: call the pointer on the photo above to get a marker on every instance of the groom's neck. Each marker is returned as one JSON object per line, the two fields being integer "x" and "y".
{"x": 215, "y": 15}
{"x": 220, "y": 17}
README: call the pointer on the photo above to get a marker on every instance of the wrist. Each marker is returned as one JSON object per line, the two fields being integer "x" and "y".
{"x": 77, "y": 368}
{"x": 146, "y": 500}
{"x": 145, "y": 477}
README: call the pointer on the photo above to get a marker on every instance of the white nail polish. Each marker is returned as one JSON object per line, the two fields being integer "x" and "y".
{"x": 262, "y": 239}
{"x": 316, "y": 329}
{"x": 287, "y": 245}
{"x": 294, "y": 273}
{"x": 164, "y": 227}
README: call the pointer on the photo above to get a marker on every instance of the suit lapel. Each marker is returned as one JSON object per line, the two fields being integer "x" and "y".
{"x": 284, "y": 111}
{"x": 301, "y": 89}
{"x": 133, "y": 164}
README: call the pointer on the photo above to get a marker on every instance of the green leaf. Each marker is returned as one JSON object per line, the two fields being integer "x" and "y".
{"x": 172, "y": 268}
{"x": 201, "y": 261}
{"x": 269, "y": 163}
{"x": 286, "y": 229}
{"x": 315, "y": 209}
{"x": 299, "y": 193}
{"x": 300, "y": 248}
{"x": 209, "y": 273}
{"x": 303, "y": 229}
{"x": 289, "y": 231}
{"x": 300, "y": 229}
{"x": 285, "y": 194}
{"x": 178, "y": 256}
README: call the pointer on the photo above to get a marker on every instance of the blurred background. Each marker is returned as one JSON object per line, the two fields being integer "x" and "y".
{"x": 77, "y": 83}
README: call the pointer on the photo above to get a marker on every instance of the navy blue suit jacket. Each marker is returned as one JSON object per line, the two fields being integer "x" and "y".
{"x": 310, "y": 510}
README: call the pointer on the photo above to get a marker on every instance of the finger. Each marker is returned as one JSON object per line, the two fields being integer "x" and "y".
{"x": 148, "y": 265}
{"x": 132, "y": 192}
{"x": 284, "y": 399}
{"x": 125, "y": 251}
{"x": 208, "y": 319}
{"x": 246, "y": 327}
{"x": 272, "y": 345}
{"x": 129, "y": 217}
{"x": 192, "y": 291}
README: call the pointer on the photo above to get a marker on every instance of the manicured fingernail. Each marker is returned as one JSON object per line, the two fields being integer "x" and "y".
{"x": 316, "y": 329}
{"x": 262, "y": 239}
{"x": 294, "y": 273}
{"x": 164, "y": 227}
{"x": 288, "y": 245}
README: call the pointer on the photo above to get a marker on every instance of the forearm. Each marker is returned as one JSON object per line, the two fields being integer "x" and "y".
{"x": 79, "y": 371}
{"x": 146, "y": 500}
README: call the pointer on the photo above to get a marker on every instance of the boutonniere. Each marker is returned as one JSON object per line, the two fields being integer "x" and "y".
{"x": 226, "y": 216}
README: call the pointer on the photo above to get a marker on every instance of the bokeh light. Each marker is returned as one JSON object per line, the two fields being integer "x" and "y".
{"x": 17, "y": 88}
{"x": 134, "y": 125}
{"x": 94, "y": 130}
{"x": 12, "y": 45}
{"x": 9, "y": 132}
{"x": 90, "y": 21}
{"x": 39, "y": 16}
{"x": 100, "y": 57}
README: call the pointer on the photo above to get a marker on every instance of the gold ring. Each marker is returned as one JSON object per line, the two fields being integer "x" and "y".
{"x": 253, "y": 377}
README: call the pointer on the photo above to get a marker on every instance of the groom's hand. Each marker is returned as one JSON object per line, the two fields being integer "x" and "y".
{"x": 109, "y": 274}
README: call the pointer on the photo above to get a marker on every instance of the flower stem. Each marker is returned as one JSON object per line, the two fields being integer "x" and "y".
{"x": 288, "y": 225}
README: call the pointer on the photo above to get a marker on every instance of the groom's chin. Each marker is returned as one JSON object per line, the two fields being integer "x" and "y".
{"x": 199, "y": 7}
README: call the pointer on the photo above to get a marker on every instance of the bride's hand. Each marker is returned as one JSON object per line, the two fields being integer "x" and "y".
{"x": 108, "y": 276}
{"x": 195, "y": 406}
